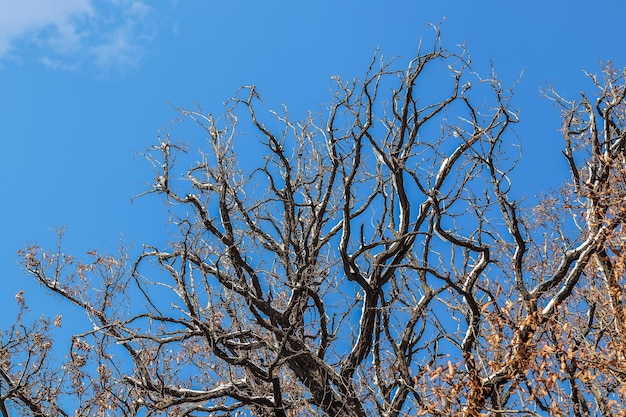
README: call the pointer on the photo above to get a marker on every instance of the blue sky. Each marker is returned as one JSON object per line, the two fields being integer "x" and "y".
{"x": 84, "y": 86}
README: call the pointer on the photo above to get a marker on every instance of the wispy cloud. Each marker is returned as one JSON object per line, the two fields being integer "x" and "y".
{"x": 108, "y": 35}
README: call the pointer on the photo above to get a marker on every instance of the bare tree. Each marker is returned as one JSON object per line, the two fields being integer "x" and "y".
{"x": 372, "y": 263}
{"x": 28, "y": 384}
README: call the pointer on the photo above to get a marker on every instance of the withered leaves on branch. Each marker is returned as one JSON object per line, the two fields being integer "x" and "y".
{"x": 370, "y": 263}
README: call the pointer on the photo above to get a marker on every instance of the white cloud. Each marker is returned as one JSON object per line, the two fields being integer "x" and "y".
{"x": 117, "y": 51}
{"x": 19, "y": 18}
{"x": 72, "y": 34}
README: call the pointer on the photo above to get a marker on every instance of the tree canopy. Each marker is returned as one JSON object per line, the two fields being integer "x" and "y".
{"x": 370, "y": 262}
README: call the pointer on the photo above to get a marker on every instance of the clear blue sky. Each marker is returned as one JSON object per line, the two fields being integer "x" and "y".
{"x": 83, "y": 86}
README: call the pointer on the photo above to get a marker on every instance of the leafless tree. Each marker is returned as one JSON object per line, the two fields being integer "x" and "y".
{"x": 371, "y": 263}
{"x": 28, "y": 384}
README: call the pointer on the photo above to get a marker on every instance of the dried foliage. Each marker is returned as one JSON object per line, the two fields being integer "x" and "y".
{"x": 371, "y": 263}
